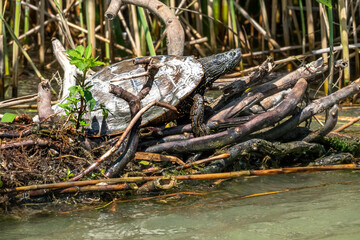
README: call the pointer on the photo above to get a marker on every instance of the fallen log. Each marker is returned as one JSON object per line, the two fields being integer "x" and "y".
{"x": 329, "y": 125}
{"x": 260, "y": 148}
{"x": 309, "y": 72}
{"x": 237, "y": 88}
{"x": 339, "y": 158}
{"x": 317, "y": 106}
{"x": 233, "y": 135}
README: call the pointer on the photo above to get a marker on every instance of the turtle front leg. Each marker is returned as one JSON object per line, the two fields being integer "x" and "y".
{"x": 197, "y": 117}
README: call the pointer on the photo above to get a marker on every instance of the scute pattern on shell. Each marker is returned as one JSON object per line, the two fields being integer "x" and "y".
{"x": 176, "y": 79}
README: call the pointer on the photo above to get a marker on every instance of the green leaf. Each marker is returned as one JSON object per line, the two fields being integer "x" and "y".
{"x": 72, "y": 91}
{"x": 8, "y": 118}
{"x": 88, "y": 95}
{"x": 1, "y": 183}
{"x": 73, "y": 100}
{"x": 97, "y": 63}
{"x": 146, "y": 163}
{"x": 80, "y": 49}
{"x": 88, "y": 87}
{"x": 65, "y": 106}
{"x": 105, "y": 111}
{"x": 73, "y": 54}
{"x": 325, "y": 2}
{"x": 81, "y": 91}
{"x": 76, "y": 62}
{"x": 92, "y": 103}
{"x": 83, "y": 123}
{"x": 88, "y": 52}
{"x": 82, "y": 66}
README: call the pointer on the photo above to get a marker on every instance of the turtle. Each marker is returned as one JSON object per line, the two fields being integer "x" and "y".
{"x": 177, "y": 81}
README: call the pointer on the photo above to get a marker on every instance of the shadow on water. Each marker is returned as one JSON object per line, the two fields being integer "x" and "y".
{"x": 324, "y": 212}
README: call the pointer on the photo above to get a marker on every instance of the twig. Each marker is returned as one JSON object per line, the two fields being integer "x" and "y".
{"x": 347, "y": 125}
{"x": 122, "y": 138}
{"x": 186, "y": 177}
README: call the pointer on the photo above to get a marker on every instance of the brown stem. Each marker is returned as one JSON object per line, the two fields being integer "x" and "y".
{"x": 330, "y": 123}
{"x": 311, "y": 71}
{"x": 174, "y": 30}
{"x": 25, "y": 143}
{"x": 122, "y": 138}
{"x": 44, "y": 100}
{"x": 315, "y": 107}
{"x": 186, "y": 177}
{"x": 232, "y": 135}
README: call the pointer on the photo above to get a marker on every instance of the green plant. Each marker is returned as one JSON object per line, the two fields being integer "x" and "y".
{"x": 8, "y": 118}
{"x": 328, "y": 4}
{"x": 69, "y": 174}
{"x": 80, "y": 100}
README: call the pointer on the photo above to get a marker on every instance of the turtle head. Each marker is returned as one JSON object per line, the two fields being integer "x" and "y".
{"x": 219, "y": 64}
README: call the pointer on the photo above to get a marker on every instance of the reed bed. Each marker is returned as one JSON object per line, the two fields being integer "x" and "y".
{"x": 280, "y": 28}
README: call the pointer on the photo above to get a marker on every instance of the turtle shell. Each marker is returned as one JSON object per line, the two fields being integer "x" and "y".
{"x": 176, "y": 79}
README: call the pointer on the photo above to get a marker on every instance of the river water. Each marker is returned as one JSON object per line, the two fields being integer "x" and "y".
{"x": 326, "y": 206}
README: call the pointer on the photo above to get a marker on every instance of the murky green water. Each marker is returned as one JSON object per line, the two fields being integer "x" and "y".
{"x": 323, "y": 212}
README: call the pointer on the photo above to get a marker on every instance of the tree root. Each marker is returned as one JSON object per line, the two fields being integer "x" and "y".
{"x": 232, "y": 135}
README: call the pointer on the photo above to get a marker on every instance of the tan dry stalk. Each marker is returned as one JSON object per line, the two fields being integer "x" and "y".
{"x": 211, "y": 26}
{"x": 265, "y": 20}
{"x": 127, "y": 30}
{"x": 286, "y": 32}
{"x": 135, "y": 29}
{"x": 225, "y": 175}
{"x": 274, "y": 12}
{"x": 310, "y": 26}
{"x": 323, "y": 19}
{"x": 349, "y": 124}
{"x": 344, "y": 39}
{"x": 257, "y": 26}
{"x": 15, "y": 57}
{"x": 156, "y": 157}
{"x": 198, "y": 17}
{"x": 357, "y": 61}
{"x": 296, "y": 23}
{"x": 90, "y": 17}
{"x": 192, "y": 38}
{"x": 41, "y": 34}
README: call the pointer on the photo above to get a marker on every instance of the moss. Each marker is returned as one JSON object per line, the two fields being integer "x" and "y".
{"x": 343, "y": 144}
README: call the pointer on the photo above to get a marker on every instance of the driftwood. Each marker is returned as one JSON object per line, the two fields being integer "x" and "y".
{"x": 174, "y": 31}
{"x": 277, "y": 151}
{"x": 329, "y": 125}
{"x": 237, "y": 88}
{"x": 339, "y": 158}
{"x": 313, "y": 108}
{"x": 309, "y": 72}
{"x": 225, "y": 175}
{"x": 232, "y": 135}
{"x": 44, "y": 100}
